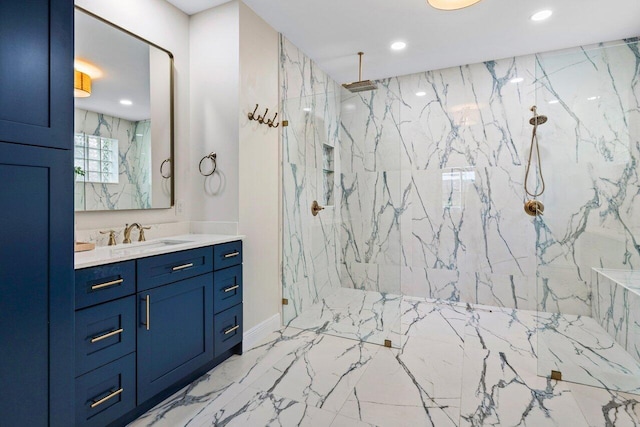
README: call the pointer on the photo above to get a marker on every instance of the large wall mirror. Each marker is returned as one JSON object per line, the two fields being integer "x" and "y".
{"x": 123, "y": 130}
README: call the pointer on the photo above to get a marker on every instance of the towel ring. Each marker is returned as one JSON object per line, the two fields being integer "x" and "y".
{"x": 162, "y": 167}
{"x": 212, "y": 157}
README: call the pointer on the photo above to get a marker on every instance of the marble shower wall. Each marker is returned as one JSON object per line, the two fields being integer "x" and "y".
{"x": 432, "y": 182}
{"x": 310, "y": 101}
{"x": 133, "y": 190}
{"x": 591, "y": 146}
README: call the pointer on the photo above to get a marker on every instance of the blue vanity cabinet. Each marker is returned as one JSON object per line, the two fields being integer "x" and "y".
{"x": 147, "y": 327}
{"x": 175, "y": 335}
{"x": 228, "y": 286}
{"x": 36, "y": 213}
{"x": 105, "y": 343}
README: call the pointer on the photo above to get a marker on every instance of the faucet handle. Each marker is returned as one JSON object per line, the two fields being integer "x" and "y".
{"x": 112, "y": 237}
{"x": 141, "y": 237}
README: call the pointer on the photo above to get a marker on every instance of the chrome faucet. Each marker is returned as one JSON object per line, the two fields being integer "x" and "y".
{"x": 127, "y": 231}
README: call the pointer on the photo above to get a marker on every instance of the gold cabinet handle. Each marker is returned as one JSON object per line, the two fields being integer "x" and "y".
{"x": 232, "y": 254}
{"x": 232, "y": 288}
{"x": 104, "y": 399}
{"x": 183, "y": 266}
{"x": 107, "y": 284}
{"x": 148, "y": 312}
{"x": 228, "y": 331}
{"x": 107, "y": 335}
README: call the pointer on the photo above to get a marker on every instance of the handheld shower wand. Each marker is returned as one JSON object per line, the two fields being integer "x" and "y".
{"x": 534, "y": 207}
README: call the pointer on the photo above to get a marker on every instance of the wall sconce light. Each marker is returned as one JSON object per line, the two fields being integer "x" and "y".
{"x": 81, "y": 84}
{"x": 451, "y": 4}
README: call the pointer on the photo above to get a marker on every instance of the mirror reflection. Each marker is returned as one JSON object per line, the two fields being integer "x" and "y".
{"x": 123, "y": 130}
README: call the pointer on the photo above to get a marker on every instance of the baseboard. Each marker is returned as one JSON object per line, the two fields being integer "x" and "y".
{"x": 259, "y": 332}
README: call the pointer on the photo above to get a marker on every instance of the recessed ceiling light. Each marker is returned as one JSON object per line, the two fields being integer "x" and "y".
{"x": 451, "y": 4}
{"x": 307, "y": 109}
{"x": 553, "y": 101}
{"x": 421, "y": 93}
{"x": 126, "y": 102}
{"x": 542, "y": 15}
{"x": 517, "y": 80}
{"x": 593, "y": 98}
{"x": 398, "y": 45}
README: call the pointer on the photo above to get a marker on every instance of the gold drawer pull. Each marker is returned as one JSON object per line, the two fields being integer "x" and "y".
{"x": 104, "y": 399}
{"x": 181, "y": 267}
{"x": 232, "y": 254}
{"x": 228, "y": 331}
{"x": 232, "y": 288}
{"x": 107, "y": 335}
{"x": 104, "y": 285}
{"x": 148, "y": 312}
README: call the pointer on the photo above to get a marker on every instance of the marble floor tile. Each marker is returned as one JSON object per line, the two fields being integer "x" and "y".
{"x": 585, "y": 353}
{"x": 603, "y": 407}
{"x": 437, "y": 321}
{"x": 435, "y": 367}
{"x": 261, "y": 408}
{"x": 455, "y": 365}
{"x": 503, "y": 330}
{"x": 342, "y": 421}
{"x": 321, "y": 373}
{"x": 208, "y": 393}
{"x": 368, "y": 316}
{"x": 255, "y": 362}
{"x": 399, "y": 389}
{"x": 497, "y": 390}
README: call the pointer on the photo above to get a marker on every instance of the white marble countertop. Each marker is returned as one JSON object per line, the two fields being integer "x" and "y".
{"x": 124, "y": 252}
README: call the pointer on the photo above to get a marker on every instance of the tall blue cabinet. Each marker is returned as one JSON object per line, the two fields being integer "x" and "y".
{"x": 36, "y": 213}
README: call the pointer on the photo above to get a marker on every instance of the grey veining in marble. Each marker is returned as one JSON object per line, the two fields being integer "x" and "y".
{"x": 617, "y": 307}
{"x": 133, "y": 190}
{"x": 429, "y": 194}
{"x": 311, "y": 259}
{"x": 458, "y": 365}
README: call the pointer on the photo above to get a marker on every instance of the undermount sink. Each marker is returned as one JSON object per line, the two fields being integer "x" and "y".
{"x": 139, "y": 248}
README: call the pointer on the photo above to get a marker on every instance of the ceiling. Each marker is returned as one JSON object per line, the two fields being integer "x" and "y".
{"x": 123, "y": 69}
{"x": 331, "y": 32}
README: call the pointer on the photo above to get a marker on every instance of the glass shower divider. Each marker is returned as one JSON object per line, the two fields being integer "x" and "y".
{"x": 588, "y": 296}
{"x": 340, "y": 272}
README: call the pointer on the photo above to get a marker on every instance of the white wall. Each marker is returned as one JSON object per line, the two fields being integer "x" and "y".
{"x": 226, "y": 61}
{"x": 214, "y": 47}
{"x": 166, "y": 26}
{"x": 259, "y": 164}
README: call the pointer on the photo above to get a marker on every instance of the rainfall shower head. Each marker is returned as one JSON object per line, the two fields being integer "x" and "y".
{"x": 360, "y": 85}
{"x": 536, "y": 119}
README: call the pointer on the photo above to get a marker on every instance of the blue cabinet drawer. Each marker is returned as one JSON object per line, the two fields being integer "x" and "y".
{"x": 227, "y": 288}
{"x": 105, "y": 333}
{"x": 162, "y": 269}
{"x": 104, "y": 395}
{"x": 227, "y": 329}
{"x": 227, "y": 255}
{"x": 105, "y": 283}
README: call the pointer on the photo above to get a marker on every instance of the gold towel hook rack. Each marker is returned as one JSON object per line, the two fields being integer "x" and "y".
{"x": 262, "y": 119}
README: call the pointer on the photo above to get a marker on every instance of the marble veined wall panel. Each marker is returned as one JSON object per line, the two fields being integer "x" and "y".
{"x": 133, "y": 190}
{"x": 310, "y": 101}
{"x": 433, "y": 171}
{"x": 590, "y": 150}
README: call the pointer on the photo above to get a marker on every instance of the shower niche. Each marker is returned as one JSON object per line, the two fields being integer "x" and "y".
{"x": 328, "y": 174}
